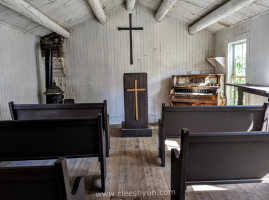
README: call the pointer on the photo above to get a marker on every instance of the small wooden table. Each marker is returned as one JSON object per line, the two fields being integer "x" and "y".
{"x": 253, "y": 89}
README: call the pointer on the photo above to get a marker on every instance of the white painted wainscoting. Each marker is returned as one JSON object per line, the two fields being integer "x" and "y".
{"x": 256, "y": 32}
{"x": 18, "y": 68}
{"x": 97, "y": 56}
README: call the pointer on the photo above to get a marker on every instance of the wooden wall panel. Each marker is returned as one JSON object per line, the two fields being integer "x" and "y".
{"x": 98, "y": 55}
{"x": 18, "y": 69}
{"x": 256, "y": 32}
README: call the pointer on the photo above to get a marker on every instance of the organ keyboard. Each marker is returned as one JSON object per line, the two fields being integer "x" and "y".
{"x": 197, "y": 90}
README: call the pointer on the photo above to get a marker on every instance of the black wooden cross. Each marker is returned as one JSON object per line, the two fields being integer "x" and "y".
{"x": 130, "y": 28}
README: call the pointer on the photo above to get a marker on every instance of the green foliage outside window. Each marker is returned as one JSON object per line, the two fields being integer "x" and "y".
{"x": 239, "y": 69}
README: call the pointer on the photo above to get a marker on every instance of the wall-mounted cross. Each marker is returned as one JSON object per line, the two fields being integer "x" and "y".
{"x": 136, "y": 100}
{"x": 130, "y": 28}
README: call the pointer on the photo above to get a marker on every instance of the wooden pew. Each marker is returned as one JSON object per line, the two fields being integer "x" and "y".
{"x": 44, "y": 139}
{"x": 219, "y": 158}
{"x": 62, "y": 111}
{"x": 210, "y": 119}
{"x": 40, "y": 182}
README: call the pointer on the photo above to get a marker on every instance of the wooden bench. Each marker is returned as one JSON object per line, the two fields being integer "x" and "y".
{"x": 62, "y": 111}
{"x": 40, "y": 182}
{"x": 44, "y": 139}
{"x": 219, "y": 158}
{"x": 210, "y": 119}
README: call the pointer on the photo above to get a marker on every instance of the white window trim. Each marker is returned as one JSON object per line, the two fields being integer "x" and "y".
{"x": 230, "y": 67}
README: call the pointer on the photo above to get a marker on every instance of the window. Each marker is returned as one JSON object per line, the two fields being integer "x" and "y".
{"x": 237, "y": 69}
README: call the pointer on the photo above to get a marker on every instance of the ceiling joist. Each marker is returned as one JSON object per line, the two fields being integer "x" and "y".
{"x": 164, "y": 9}
{"x": 35, "y": 15}
{"x": 130, "y": 4}
{"x": 223, "y": 11}
{"x": 98, "y": 10}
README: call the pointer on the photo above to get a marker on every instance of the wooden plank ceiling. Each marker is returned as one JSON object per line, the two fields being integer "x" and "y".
{"x": 67, "y": 13}
{"x": 189, "y": 11}
{"x": 70, "y": 13}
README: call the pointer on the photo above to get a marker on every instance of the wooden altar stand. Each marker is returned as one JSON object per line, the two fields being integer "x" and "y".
{"x": 136, "y": 106}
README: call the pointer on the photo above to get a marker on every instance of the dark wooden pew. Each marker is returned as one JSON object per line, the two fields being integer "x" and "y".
{"x": 44, "y": 139}
{"x": 219, "y": 158}
{"x": 40, "y": 183}
{"x": 62, "y": 111}
{"x": 199, "y": 119}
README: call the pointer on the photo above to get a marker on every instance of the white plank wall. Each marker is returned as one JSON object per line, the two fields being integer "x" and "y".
{"x": 97, "y": 56}
{"x": 18, "y": 69}
{"x": 256, "y": 32}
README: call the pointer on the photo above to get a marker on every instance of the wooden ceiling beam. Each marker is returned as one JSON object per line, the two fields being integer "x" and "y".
{"x": 130, "y": 4}
{"x": 221, "y": 12}
{"x": 164, "y": 9}
{"x": 98, "y": 10}
{"x": 35, "y": 15}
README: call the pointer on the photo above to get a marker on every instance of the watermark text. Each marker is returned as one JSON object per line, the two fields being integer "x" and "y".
{"x": 136, "y": 193}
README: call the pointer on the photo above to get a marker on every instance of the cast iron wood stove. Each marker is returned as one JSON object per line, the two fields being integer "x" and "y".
{"x": 54, "y": 94}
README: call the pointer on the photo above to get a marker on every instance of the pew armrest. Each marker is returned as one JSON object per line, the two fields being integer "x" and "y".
{"x": 178, "y": 179}
{"x": 159, "y": 134}
{"x": 108, "y": 131}
{"x": 175, "y": 154}
{"x": 102, "y": 152}
{"x": 175, "y": 174}
{"x": 179, "y": 167}
{"x": 78, "y": 191}
{"x": 161, "y": 142}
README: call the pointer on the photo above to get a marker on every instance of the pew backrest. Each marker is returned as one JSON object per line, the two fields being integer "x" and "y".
{"x": 39, "y": 182}
{"x": 34, "y": 139}
{"x": 220, "y": 158}
{"x": 228, "y": 156}
{"x": 62, "y": 111}
{"x": 210, "y": 119}
{"x": 57, "y": 111}
{"x": 199, "y": 119}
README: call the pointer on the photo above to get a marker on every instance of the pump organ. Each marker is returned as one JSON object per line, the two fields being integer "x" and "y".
{"x": 197, "y": 90}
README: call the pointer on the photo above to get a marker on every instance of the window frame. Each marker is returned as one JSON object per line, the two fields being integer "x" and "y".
{"x": 231, "y": 71}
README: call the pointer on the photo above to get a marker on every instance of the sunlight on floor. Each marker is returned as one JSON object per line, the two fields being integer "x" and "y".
{"x": 251, "y": 126}
{"x": 171, "y": 144}
{"x": 265, "y": 179}
{"x": 207, "y": 188}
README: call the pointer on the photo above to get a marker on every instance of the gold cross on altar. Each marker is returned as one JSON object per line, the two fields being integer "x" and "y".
{"x": 136, "y": 104}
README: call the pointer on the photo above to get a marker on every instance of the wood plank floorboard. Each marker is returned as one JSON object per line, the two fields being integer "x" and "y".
{"x": 134, "y": 167}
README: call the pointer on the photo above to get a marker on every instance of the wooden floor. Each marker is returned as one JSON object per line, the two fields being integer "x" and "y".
{"x": 134, "y": 167}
